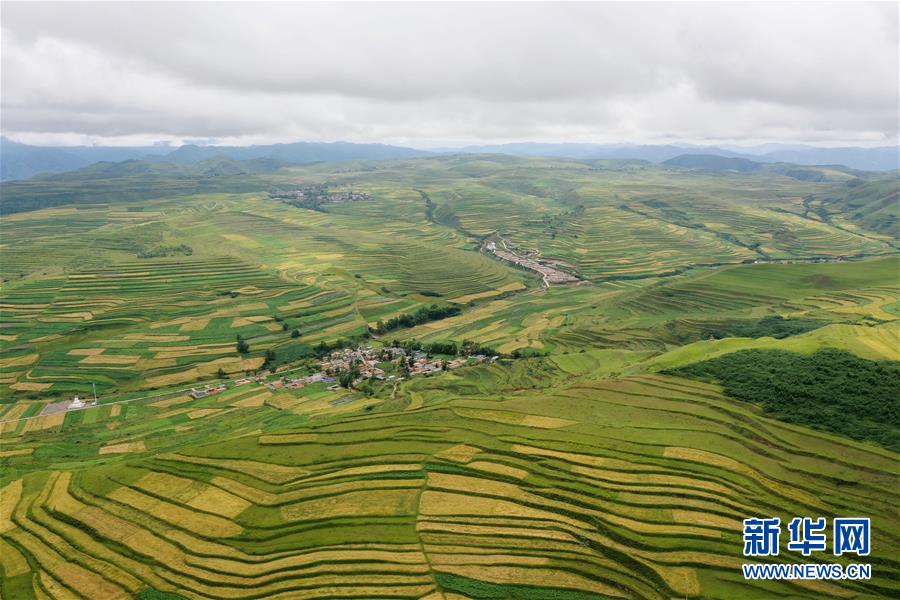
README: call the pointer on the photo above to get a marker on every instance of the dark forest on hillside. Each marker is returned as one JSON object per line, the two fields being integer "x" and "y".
{"x": 830, "y": 389}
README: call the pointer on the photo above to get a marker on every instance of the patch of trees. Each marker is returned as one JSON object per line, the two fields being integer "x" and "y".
{"x": 323, "y": 348}
{"x": 346, "y": 377}
{"x": 449, "y": 348}
{"x": 242, "y": 346}
{"x": 423, "y": 315}
{"x": 831, "y": 389}
{"x": 562, "y": 220}
{"x": 160, "y": 251}
{"x": 154, "y": 594}
{"x": 774, "y": 326}
{"x": 528, "y": 353}
{"x": 654, "y": 203}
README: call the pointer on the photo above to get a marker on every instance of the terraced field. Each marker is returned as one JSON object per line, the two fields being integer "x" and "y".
{"x": 619, "y": 488}
{"x": 132, "y": 331}
{"x": 597, "y": 222}
{"x": 570, "y": 468}
{"x": 102, "y": 316}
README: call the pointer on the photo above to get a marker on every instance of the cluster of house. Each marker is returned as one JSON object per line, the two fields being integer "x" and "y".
{"x": 321, "y": 194}
{"x": 339, "y": 197}
{"x": 366, "y": 359}
{"x": 362, "y": 360}
{"x": 290, "y": 195}
{"x": 295, "y": 383}
{"x": 549, "y": 273}
{"x": 209, "y": 390}
{"x": 422, "y": 365}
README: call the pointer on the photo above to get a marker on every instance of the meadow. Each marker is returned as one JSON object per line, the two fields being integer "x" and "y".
{"x": 606, "y": 454}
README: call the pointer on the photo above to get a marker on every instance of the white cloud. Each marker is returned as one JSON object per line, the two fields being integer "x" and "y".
{"x": 436, "y": 73}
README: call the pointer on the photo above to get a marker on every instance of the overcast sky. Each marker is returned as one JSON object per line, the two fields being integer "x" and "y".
{"x": 441, "y": 74}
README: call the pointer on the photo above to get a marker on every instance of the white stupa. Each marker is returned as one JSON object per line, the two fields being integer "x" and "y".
{"x": 76, "y": 403}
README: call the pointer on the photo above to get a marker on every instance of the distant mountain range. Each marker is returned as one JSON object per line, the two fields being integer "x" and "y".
{"x": 21, "y": 161}
{"x": 218, "y": 166}
{"x": 883, "y": 158}
{"x": 713, "y": 162}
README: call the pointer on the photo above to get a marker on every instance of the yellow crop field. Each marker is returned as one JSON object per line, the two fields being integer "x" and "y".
{"x": 18, "y": 452}
{"x": 110, "y": 359}
{"x": 30, "y": 386}
{"x": 48, "y": 422}
{"x": 363, "y": 503}
{"x": 86, "y": 351}
{"x": 123, "y": 447}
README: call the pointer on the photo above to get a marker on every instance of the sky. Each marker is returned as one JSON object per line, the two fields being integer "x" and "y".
{"x": 436, "y": 74}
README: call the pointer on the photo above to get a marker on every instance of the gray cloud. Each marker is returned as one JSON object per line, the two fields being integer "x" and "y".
{"x": 434, "y": 73}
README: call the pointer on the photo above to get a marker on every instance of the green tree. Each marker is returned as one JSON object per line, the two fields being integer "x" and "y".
{"x": 345, "y": 378}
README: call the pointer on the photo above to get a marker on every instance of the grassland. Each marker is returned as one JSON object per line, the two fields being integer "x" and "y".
{"x": 580, "y": 472}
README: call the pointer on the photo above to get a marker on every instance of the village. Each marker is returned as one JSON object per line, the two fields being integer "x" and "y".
{"x": 313, "y": 197}
{"x": 343, "y": 368}
{"x": 350, "y": 367}
{"x": 549, "y": 274}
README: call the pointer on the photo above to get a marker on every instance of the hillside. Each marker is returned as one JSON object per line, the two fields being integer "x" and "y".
{"x": 136, "y": 180}
{"x": 873, "y": 205}
{"x": 820, "y": 173}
